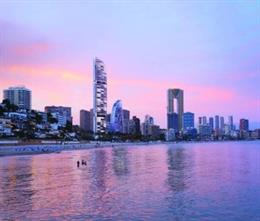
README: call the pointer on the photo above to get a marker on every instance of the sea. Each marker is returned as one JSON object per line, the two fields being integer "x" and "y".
{"x": 211, "y": 181}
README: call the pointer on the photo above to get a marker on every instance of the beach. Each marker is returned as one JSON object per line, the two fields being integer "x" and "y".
{"x": 51, "y": 147}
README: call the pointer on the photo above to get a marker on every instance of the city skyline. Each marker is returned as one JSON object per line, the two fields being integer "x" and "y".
{"x": 219, "y": 75}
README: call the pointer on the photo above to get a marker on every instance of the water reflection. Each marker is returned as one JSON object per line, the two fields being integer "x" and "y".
{"x": 120, "y": 161}
{"x": 15, "y": 187}
{"x": 176, "y": 168}
{"x": 99, "y": 178}
{"x": 178, "y": 182}
{"x": 160, "y": 182}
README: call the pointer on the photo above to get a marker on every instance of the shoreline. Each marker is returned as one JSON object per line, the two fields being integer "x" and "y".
{"x": 32, "y": 149}
{"x": 44, "y": 148}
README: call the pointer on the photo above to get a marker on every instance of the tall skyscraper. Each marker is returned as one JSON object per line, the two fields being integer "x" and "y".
{"x": 85, "y": 120}
{"x": 222, "y": 123}
{"x": 173, "y": 94}
{"x": 116, "y": 119}
{"x": 126, "y": 114}
{"x": 211, "y": 123}
{"x": 216, "y": 122}
{"x": 204, "y": 120}
{"x": 200, "y": 120}
{"x": 126, "y": 119}
{"x": 172, "y": 121}
{"x": 19, "y": 96}
{"x": 244, "y": 125}
{"x": 217, "y": 129}
{"x": 230, "y": 122}
{"x": 188, "y": 120}
{"x": 99, "y": 97}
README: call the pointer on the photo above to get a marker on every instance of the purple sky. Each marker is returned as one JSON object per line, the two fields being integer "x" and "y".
{"x": 211, "y": 49}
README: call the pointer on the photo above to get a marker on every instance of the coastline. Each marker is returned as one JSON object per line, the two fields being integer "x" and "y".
{"x": 30, "y": 149}
{"x": 44, "y": 148}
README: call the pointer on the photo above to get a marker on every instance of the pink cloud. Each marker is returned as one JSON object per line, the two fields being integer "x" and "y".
{"x": 31, "y": 49}
{"x": 20, "y": 45}
{"x": 42, "y": 71}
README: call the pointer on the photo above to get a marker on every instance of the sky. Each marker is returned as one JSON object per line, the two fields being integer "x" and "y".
{"x": 210, "y": 49}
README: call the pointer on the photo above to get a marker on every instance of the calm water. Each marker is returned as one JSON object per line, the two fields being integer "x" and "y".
{"x": 209, "y": 181}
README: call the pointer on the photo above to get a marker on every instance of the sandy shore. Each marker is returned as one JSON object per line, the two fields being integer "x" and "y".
{"x": 52, "y": 148}
{"x": 56, "y": 148}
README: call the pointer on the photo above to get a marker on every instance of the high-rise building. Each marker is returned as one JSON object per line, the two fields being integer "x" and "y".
{"x": 91, "y": 119}
{"x": 116, "y": 119}
{"x": 126, "y": 119}
{"x": 244, "y": 125}
{"x": 205, "y": 130}
{"x": 230, "y": 122}
{"x": 216, "y": 122}
{"x": 19, "y": 96}
{"x": 188, "y": 120}
{"x": 200, "y": 120}
{"x": 222, "y": 123}
{"x": 172, "y": 121}
{"x": 126, "y": 114}
{"x": 204, "y": 120}
{"x": 134, "y": 126}
{"x": 217, "y": 129}
{"x": 85, "y": 120}
{"x": 172, "y": 95}
{"x": 227, "y": 130}
{"x": 62, "y": 114}
{"x": 146, "y": 127}
{"x": 100, "y": 97}
{"x": 108, "y": 118}
{"x": 149, "y": 120}
{"x": 211, "y": 123}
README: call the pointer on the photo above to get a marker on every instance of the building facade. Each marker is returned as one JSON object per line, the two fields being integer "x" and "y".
{"x": 205, "y": 130}
{"x": 126, "y": 119}
{"x": 62, "y": 114}
{"x": 211, "y": 123}
{"x": 85, "y": 123}
{"x": 216, "y": 122}
{"x": 146, "y": 127}
{"x": 231, "y": 122}
{"x": 91, "y": 119}
{"x": 200, "y": 120}
{"x": 244, "y": 125}
{"x": 188, "y": 120}
{"x": 19, "y": 96}
{"x": 222, "y": 124}
{"x": 172, "y": 121}
{"x": 116, "y": 119}
{"x": 204, "y": 120}
{"x": 172, "y": 95}
{"x": 99, "y": 97}
{"x": 134, "y": 126}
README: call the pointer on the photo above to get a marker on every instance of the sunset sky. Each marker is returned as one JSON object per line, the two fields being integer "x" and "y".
{"x": 210, "y": 49}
